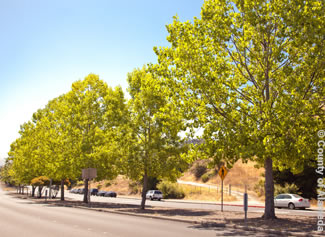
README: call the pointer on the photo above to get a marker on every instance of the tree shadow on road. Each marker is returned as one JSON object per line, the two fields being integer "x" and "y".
{"x": 124, "y": 208}
{"x": 293, "y": 224}
{"x": 204, "y": 218}
{"x": 228, "y": 231}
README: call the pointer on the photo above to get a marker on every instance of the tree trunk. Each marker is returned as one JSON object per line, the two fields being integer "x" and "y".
{"x": 86, "y": 191}
{"x": 144, "y": 191}
{"x": 40, "y": 191}
{"x": 269, "y": 190}
{"x": 62, "y": 189}
{"x": 33, "y": 191}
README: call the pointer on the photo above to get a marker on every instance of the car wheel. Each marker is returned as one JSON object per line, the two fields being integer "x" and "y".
{"x": 151, "y": 198}
{"x": 159, "y": 199}
{"x": 291, "y": 206}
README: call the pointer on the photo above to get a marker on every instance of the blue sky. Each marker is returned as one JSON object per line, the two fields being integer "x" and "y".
{"x": 47, "y": 45}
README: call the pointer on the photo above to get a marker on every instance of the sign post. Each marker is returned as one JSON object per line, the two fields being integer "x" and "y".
{"x": 89, "y": 174}
{"x": 222, "y": 173}
{"x": 245, "y": 203}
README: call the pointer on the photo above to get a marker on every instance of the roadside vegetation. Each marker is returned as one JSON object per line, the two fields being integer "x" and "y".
{"x": 237, "y": 177}
{"x": 249, "y": 75}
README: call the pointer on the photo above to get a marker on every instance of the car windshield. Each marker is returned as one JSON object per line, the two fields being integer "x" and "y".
{"x": 296, "y": 196}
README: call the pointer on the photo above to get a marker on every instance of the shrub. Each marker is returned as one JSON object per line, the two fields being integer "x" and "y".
{"x": 67, "y": 182}
{"x": 259, "y": 188}
{"x": 205, "y": 178}
{"x": 99, "y": 186}
{"x": 107, "y": 183}
{"x": 171, "y": 190}
{"x": 287, "y": 188}
{"x": 81, "y": 182}
{"x": 199, "y": 170}
{"x": 134, "y": 187}
{"x": 40, "y": 181}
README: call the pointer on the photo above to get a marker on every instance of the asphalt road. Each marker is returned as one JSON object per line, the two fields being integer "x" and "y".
{"x": 192, "y": 205}
{"x": 24, "y": 218}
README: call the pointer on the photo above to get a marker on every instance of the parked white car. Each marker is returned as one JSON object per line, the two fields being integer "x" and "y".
{"x": 154, "y": 194}
{"x": 291, "y": 201}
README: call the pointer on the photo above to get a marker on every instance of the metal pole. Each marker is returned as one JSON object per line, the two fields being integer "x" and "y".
{"x": 245, "y": 203}
{"x": 222, "y": 195}
{"x": 88, "y": 194}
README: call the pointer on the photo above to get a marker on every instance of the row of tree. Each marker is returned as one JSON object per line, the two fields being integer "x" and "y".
{"x": 249, "y": 74}
{"x": 93, "y": 126}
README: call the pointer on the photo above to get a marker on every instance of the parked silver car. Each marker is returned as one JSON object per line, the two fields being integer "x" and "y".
{"x": 154, "y": 194}
{"x": 291, "y": 201}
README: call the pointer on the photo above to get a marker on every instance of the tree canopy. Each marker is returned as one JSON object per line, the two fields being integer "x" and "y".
{"x": 77, "y": 130}
{"x": 251, "y": 75}
{"x": 155, "y": 146}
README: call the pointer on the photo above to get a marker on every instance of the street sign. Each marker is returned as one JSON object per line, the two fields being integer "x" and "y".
{"x": 222, "y": 172}
{"x": 89, "y": 173}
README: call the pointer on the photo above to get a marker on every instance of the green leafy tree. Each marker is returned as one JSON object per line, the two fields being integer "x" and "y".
{"x": 5, "y": 172}
{"x": 251, "y": 75}
{"x": 59, "y": 147}
{"x": 25, "y": 155}
{"x": 153, "y": 143}
{"x": 94, "y": 114}
{"x": 77, "y": 130}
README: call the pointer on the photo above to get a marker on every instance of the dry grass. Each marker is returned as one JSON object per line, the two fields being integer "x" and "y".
{"x": 120, "y": 185}
{"x": 204, "y": 194}
{"x": 314, "y": 203}
{"x": 7, "y": 188}
{"x": 240, "y": 175}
